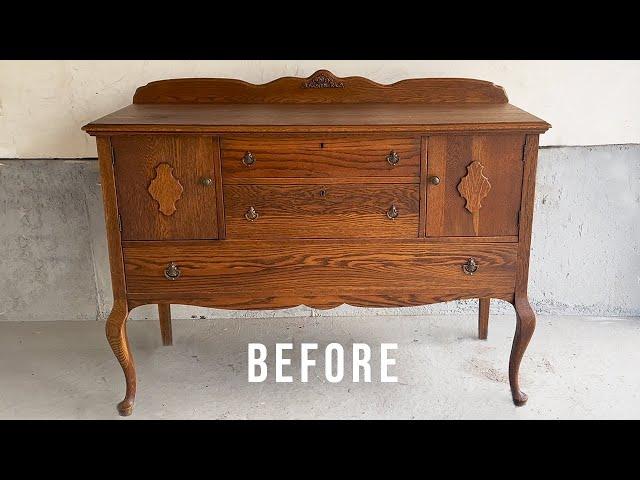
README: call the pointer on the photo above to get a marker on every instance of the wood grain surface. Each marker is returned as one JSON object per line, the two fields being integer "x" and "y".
{"x": 473, "y": 187}
{"x": 449, "y": 159}
{"x": 308, "y": 222}
{"x": 191, "y": 158}
{"x": 483, "y": 318}
{"x": 316, "y": 211}
{"x": 110, "y": 203}
{"x": 320, "y": 87}
{"x": 287, "y": 299}
{"x": 116, "y": 332}
{"x": 164, "y": 316}
{"x": 355, "y": 118}
{"x": 317, "y": 268}
{"x": 525, "y": 315}
{"x": 165, "y": 189}
{"x": 526, "y": 212}
{"x": 278, "y": 156}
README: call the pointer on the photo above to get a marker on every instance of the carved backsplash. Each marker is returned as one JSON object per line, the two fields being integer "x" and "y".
{"x": 321, "y": 87}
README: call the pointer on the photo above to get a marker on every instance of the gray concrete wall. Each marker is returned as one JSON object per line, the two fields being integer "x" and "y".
{"x": 585, "y": 252}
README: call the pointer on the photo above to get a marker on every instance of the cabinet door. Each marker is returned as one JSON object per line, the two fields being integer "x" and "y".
{"x": 166, "y": 186}
{"x": 479, "y": 188}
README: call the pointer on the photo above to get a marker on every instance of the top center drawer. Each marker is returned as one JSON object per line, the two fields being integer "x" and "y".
{"x": 266, "y": 156}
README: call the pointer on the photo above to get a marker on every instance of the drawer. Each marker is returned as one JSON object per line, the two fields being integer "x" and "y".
{"x": 319, "y": 156}
{"x": 226, "y": 270}
{"x": 316, "y": 211}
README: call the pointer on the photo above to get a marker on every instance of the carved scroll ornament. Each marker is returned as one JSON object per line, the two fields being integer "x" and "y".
{"x": 473, "y": 187}
{"x": 165, "y": 189}
{"x": 323, "y": 79}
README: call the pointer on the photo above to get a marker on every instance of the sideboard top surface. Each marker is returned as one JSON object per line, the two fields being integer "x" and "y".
{"x": 314, "y": 117}
{"x": 320, "y": 103}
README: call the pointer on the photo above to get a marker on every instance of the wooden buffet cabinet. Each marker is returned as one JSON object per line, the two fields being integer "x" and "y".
{"x": 317, "y": 191}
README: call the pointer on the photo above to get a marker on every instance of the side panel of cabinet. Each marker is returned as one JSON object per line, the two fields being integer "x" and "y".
{"x": 162, "y": 186}
{"x": 479, "y": 188}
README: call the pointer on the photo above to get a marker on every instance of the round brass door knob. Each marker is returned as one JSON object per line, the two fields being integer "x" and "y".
{"x": 207, "y": 182}
{"x": 434, "y": 180}
{"x": 172, "y": 271}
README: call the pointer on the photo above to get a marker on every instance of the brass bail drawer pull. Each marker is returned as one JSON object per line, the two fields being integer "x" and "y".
{"x": 248, "y": 159}
{"x": 470, "y": 266}
{"x": 251, "y": 214}
{"x": 393, "y": 158}
{"x": 172, "y": 271}
{"x": 392, "y": 213}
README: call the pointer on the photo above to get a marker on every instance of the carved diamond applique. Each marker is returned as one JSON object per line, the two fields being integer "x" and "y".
{"x": 165, "y": 189}
{"x": 473, "y": 187}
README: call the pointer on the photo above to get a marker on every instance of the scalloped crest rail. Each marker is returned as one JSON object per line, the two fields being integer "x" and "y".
{"x": 321, "y": 87}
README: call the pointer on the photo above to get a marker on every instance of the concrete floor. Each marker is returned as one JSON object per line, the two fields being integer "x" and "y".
{"x": 575, "y": 367}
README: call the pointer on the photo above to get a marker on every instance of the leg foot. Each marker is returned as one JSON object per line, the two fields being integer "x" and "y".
{"x": 520, "y": 399}
{"x": 525, "y": 325}
{"x": 125, "y": 408}
{"x": 117, "y": 336}
{"x": 164, "y": 312}
{"x": 483, "y": 318}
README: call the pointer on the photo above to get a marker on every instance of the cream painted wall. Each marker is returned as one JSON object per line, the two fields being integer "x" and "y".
{"x": 43, "y": 104}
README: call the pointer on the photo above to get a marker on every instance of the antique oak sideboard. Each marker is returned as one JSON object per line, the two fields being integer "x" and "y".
{"x": 317, "y": 191}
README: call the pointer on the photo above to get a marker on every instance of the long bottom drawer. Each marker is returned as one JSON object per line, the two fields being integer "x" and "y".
{"x": 231, "y": 273}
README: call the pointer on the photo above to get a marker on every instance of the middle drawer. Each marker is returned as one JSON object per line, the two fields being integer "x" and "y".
{"x": 247, "y": 157}
{"x": 317, "y": 211}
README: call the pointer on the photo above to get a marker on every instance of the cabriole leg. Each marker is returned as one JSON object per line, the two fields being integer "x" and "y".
{"x": 525, "y": 325}
{"x": 117, "y": 337}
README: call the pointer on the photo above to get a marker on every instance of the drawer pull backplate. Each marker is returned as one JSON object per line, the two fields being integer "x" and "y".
{"x": 251, "y": 214}
{"x": 470, "y": 266}
{"x": 172, "y": 271}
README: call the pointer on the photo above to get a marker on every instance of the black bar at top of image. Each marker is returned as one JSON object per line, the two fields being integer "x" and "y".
{"x": 405, "y": 37}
